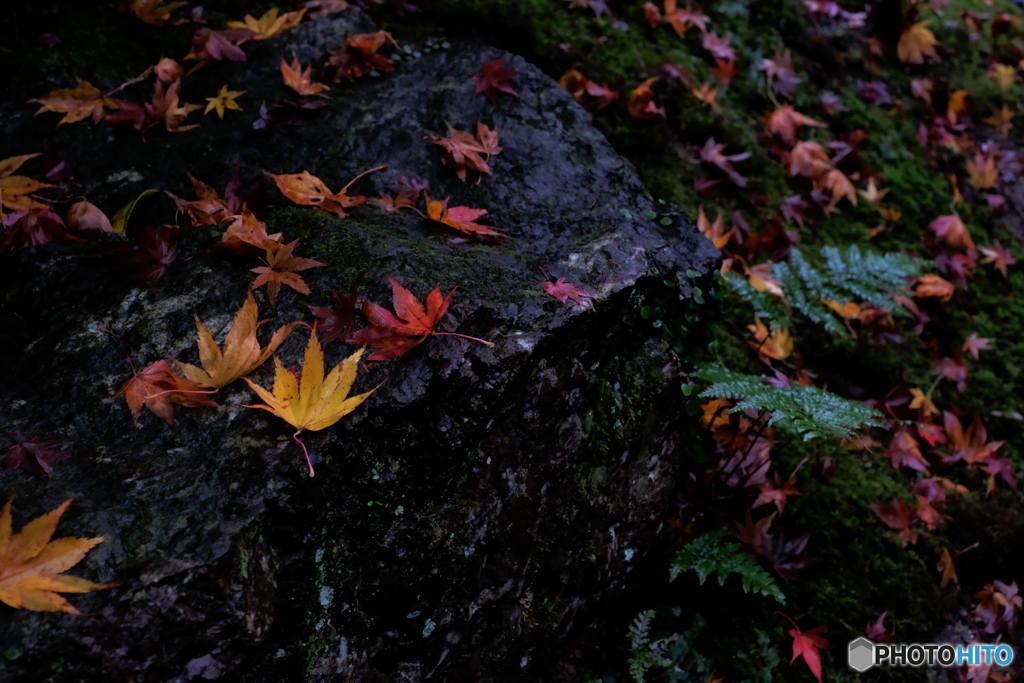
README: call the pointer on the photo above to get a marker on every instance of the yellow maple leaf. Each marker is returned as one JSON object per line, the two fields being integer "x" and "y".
{"x": 916, "y": 42}
{"x": 14, "y": 189}
{"x": 957, "y": 105}
{"x": 152, "y": 12}
{"x": 872, "y": 194}
{"x": 269, "y": 25}
{"x": 313, "y": 402}
{"x": 1001, "y": 120}
{"x": 241, "y": 354}
{"x": 225, "y": 99}
{"x": 32, "y": 566}
{"x": 1003, "y": 74}
{"x": 923, "y": 401}
{"x": 778, "y": 344}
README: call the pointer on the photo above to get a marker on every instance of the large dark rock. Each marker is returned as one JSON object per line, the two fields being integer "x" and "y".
{"x": 471, "y": 520}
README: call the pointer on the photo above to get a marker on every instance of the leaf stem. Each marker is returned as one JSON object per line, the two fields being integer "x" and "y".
{"x": 465, "y": 336}
{"x": 305, "y": 452}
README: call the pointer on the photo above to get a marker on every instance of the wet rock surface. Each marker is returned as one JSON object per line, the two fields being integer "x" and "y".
{"x": 467, "y": 522}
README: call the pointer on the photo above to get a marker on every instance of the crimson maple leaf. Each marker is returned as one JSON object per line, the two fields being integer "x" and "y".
{"x": 876, "y": 631}
{"x": 393, "y": 334}
{"x": 154, "y": 250}
{"x": 492, "y": 78}
{"x": 563, "y": 291}
{"x": 34, "y": 456}
{"x": 335, "y": 323}
{"x": 806, "y": 645}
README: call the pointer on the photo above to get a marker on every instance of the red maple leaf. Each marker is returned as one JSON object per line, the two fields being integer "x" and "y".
{"x": 806, "y": 645}
{"x": 34, "y": 456}
{"x": 393, "y": 334}
{"x": 719, "y": 47}
{"x": 492, "y": 78}
{"x": 903, "y": 452}
{"x": 157, "y": 387}
{"x": 563, "y": 291}
{"x": 899, "y": 517}
{"x": 154, "y": 250}
{"x": 876, "y": 631}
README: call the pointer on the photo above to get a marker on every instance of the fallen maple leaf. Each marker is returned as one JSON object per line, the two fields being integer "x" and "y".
{"x": 32, "y": 566}
{"x": 1001, "y": 120}
{"x": 581, "y": 87}
{"x": 724, "y": 71}
{"x": 15, "y": 189}
{"x": 713, "y": 231}
{"x": 491, "y": 80}
{"x": 948, "y": 569}
{"x": 899, "y": 517}
{"x": 241, "y": 354}
{"x": 564, "y": 291}
{"x": 312, "y": 402}
{"x": 778, "y": 344}
{"x": 786, "y": 122}
{"x": 34, "y": 456}
{"x": 982, "y": 172}
{"x": 708, "y": 96}
{"x": 462, "y": 150}
{"x": 683, "y": 18}
{"x": 225, "y": 99}
{"x": 719, "y": 47}
{"x": 270, "y": 24}
{"x": 975, "y": 344}
{"x": 299, "y": 79}
{"x": 780, "y": 73}
{"x": 31, "y": 228}
{"x": 876, "y": 631}
{"x": 903, "y": 452}
{"x": 150, "y": 254}
{"x": 916, "y": 42}
{"x": 248, "y": 235}
{"x": 219, "y": 45}
{"x": 712, "y": 153}
{"x": 358, "y": 56}
{"x": 76, "y": 103}
{"x": 641, "y": 101}
{"x": 306, "y": 189}
{"x": 152, "y": 12}
{"x": 952, "y": 229}
{"x": 997, "y": 255}
{"x": 335, "y": 323}
{"x": 462, "y": 218}
{"x": 957, "y": 105}
{"x": 393, "y": 334}
{"x": 281, "y": 269}
{"x": 934, "y": 286}
{"x": 85, "y": 218}
{"x": 806, "y": 646}
{"x": 157, "y": 387}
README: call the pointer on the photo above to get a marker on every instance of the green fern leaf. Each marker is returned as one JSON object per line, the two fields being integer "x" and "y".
{"x": 707, "y": 555}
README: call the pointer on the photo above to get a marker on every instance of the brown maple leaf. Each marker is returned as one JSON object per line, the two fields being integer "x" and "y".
{"x": 247, "y": 235}
{"x": 359, "y": 56}
{"x": 491, "y": 79}
{"x": 916, "y": 43}
{"x": 76, "y": 103}
{"x": 32, "y": 566}
{"x": 462, "y": 150}
{"x": 952, "y": 229}
{"x": 86, "y": 219}
{"x": 157, "y": 387}
{"x": 393, "y": 334}
{"x": 241, "y": 353}
{"x": 281, "y": 269}
{"x": 592, "y": 96}
{"x": 219, "y": 45}
{"x": 899, "y": 517}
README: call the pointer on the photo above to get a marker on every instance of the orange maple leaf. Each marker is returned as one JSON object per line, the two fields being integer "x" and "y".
{"x": 982, "y": 172}
{"x": 300, "y": 80}
{"x": 916, "y": 42}
{"x": 32, "y": 566}
{"x": 248, "y": 235}
{"x": 281, "y": 270}
{"x": 313, "y": 402}
{"x": 713, "y": 231}
{"x": 948, "y": 569}
{"x": 157, "y": 387}
{"x": 459, "y": 217}
{"x": 786, "y": 122}
{"x": 708, "y": 96}
{"x": 778, "y": 344}
{"x": 952, "y": 229}
{"x": 359, "y": 56}
{"x": 152, "y": 12}
{"x": 241, "y": 354}
{"x": 934, "y": 286}
{"x": 462, "y": 150}
{"x": 957, "y": 105}
{"x": 305, "y": 188}
{"x": 1001, "y": 120}
{"x": 641, "y": 101}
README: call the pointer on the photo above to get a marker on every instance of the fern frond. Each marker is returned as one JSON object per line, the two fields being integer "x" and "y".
{"x": 849, "y": 275}
{"x": 707, "y": 555}
{"x": 803, "y": 410}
